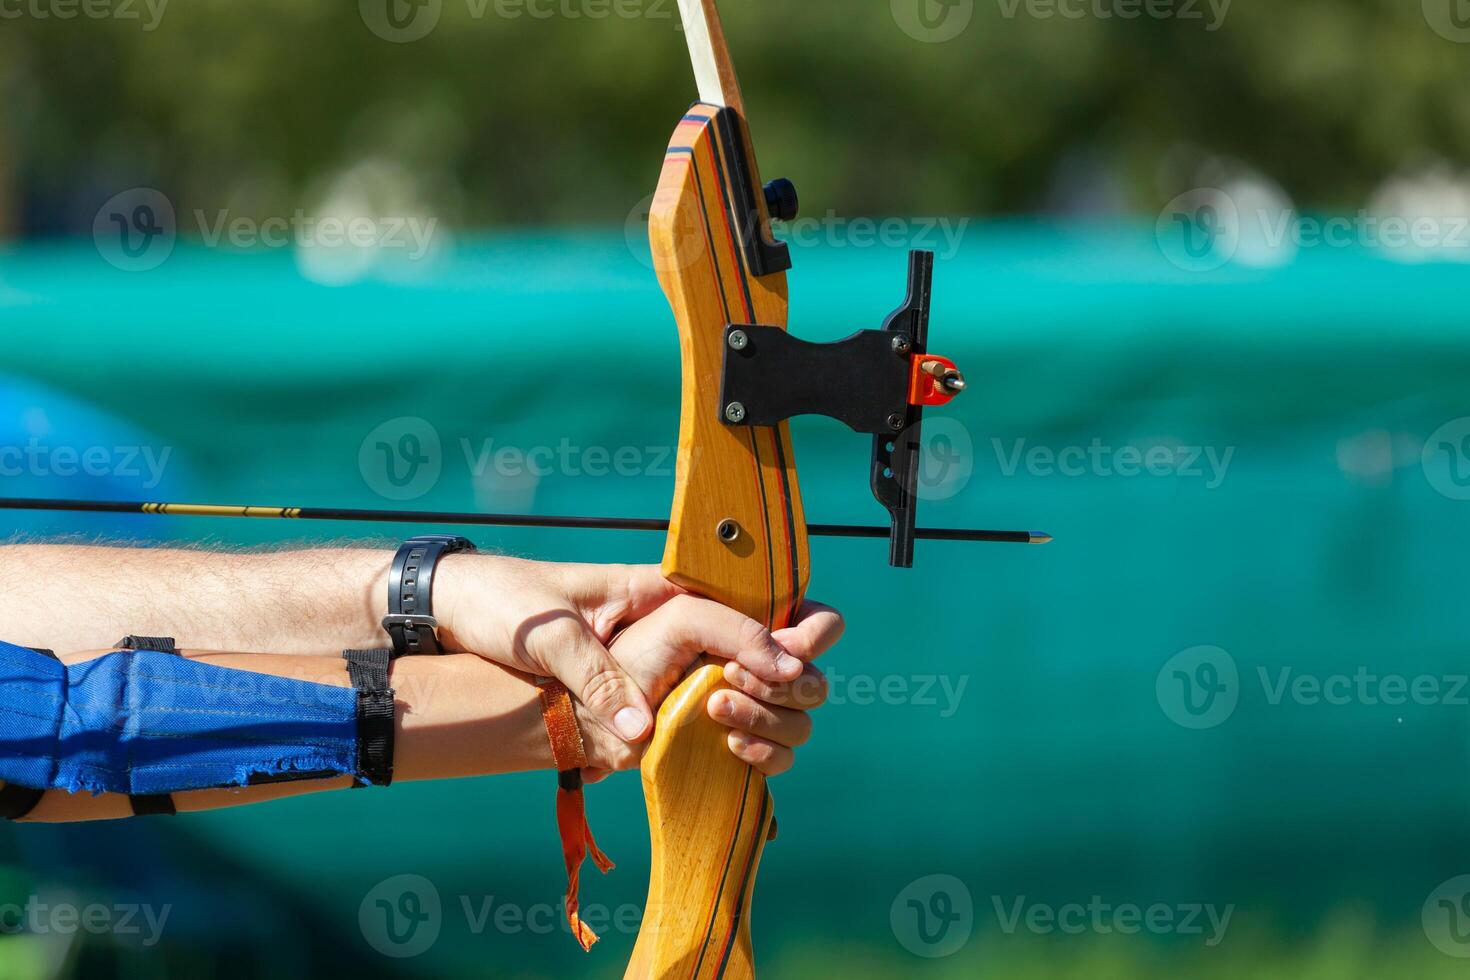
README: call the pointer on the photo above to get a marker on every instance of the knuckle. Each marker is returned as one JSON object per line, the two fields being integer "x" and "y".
{"x": 769, "y": 693}
{"x": 603, "y": 690}
{"x": 754, "y": 635}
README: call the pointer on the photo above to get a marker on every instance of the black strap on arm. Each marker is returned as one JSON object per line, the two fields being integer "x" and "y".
{"x": 368, "y": 670}
{"x": 158, "y": 644}
{"x": 410, "y": 620}
{"x": 150, "y": 804}
{"x": 18, "y": 801}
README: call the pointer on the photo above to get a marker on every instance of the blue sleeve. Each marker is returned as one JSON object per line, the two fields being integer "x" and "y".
{"x": 148, "y": 722}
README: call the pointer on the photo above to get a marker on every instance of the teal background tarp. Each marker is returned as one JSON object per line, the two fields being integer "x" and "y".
{"x": 1003, "y": 715}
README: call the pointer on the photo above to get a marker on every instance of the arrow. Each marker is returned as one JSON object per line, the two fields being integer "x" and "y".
{"x": 475, "y": 519}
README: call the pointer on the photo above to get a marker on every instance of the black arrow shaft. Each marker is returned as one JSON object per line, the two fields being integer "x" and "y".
{"x": 470, "y": 519}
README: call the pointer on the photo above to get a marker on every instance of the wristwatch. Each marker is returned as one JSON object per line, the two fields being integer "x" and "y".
{"x": 410, "y": 621}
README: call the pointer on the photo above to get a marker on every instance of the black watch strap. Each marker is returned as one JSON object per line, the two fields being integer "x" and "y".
{"x": 410, "y": 620}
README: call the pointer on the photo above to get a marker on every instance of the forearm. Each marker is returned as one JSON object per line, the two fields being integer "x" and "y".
{"x": 456, "y": 716}
{"x": 77, "y": 597}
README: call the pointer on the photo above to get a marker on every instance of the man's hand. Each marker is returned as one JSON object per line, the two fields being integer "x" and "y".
{"x": 554, "y": 620}
{"x": 773, "y": 683}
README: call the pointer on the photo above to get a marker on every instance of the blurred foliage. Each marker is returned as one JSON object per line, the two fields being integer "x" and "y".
{"x": 500, "y": 117}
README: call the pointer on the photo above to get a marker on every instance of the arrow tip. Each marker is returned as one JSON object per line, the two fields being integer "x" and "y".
{"x": 1040, "y": 537}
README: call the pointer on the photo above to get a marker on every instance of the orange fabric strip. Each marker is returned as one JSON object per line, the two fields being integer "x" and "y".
{"x": 570, "y": 756}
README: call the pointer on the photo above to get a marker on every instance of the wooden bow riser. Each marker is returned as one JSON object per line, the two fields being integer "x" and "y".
{"x": 738, "y": 537}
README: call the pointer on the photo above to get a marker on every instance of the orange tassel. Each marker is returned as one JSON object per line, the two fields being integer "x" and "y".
{"x": 571, "y": 805}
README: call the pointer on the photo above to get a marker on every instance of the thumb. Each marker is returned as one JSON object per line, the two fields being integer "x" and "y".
{"x": 566, "y": 648}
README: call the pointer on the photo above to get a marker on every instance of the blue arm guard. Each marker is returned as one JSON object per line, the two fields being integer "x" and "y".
{"x": 148, "y": 723}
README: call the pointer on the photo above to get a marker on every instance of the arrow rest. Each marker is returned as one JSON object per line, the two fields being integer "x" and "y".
{"x": 876, "y": 381}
